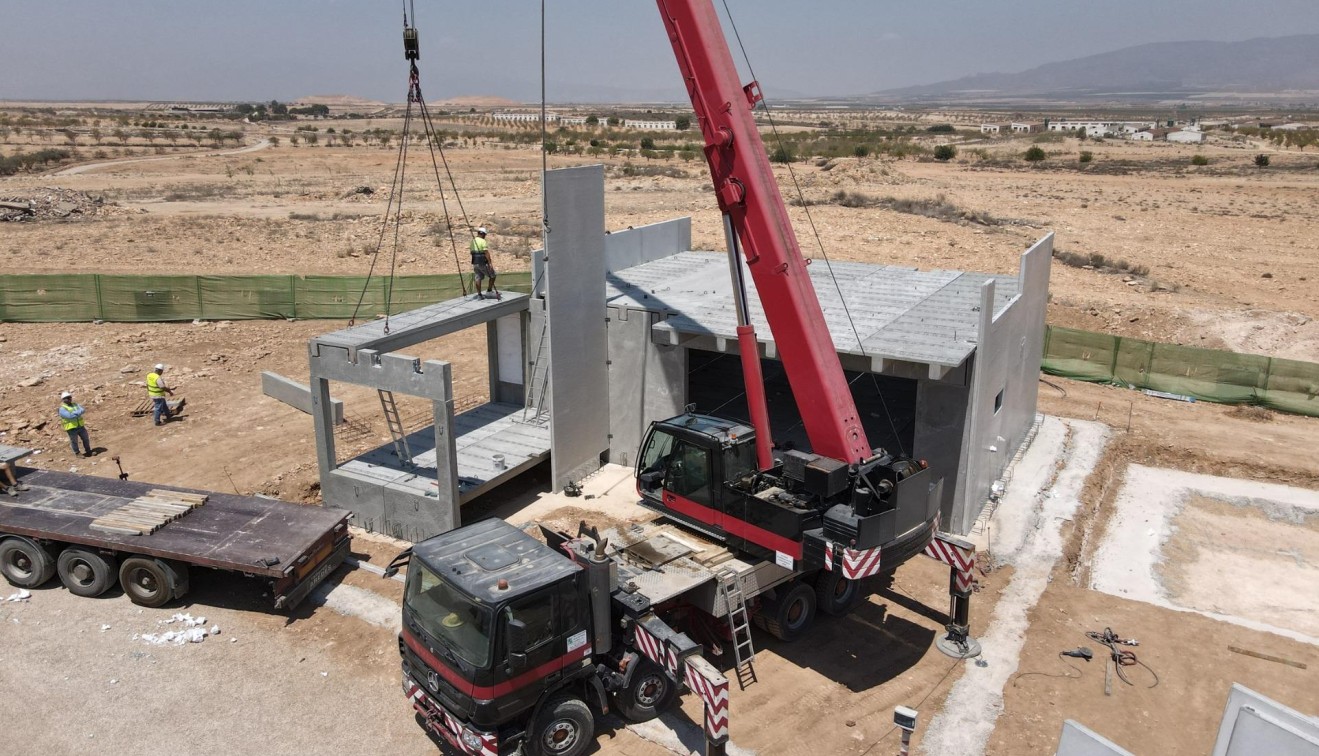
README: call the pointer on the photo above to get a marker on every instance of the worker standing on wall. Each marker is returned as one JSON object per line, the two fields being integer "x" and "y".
{"x": 71, "y": 416}
{"x": 481, "y": 265}
{"x": 157, "y": 390}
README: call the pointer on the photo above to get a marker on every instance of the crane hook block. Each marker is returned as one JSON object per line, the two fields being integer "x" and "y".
{"x": 411, "y": 51}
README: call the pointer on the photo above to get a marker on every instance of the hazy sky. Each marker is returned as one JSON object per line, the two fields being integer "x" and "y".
{"x": 597, "y": 49}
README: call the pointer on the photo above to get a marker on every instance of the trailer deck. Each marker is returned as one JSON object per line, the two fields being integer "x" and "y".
{"x": 296, "y": 546}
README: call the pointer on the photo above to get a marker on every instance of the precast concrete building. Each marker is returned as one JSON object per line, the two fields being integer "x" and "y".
{"x": 625, "y": 328}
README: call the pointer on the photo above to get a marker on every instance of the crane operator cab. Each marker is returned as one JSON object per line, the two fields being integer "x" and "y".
{"x": 701, "y": 471}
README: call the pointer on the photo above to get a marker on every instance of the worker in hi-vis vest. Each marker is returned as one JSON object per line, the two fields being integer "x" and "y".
{"x": 481, "y": 265}
{"x": 71, "y": 417}
{"x": 156, "y": 389}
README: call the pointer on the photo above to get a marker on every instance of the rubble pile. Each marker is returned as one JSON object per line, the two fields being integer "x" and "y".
{"x": 49, "y": 203}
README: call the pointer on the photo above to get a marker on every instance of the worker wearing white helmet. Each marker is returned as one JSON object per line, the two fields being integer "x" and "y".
{"x": 157, "y": 390}
{"x": 482, "y": 268}
{"x": 71, "y": 418}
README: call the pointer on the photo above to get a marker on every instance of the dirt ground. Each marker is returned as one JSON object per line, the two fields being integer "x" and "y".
{"x": 1208, "y": 236}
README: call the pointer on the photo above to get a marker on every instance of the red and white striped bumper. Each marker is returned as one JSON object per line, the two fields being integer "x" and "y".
{"x": 855, "y": 563}
{"x": 447, "y": 726}
{"x": 956, "y": 553}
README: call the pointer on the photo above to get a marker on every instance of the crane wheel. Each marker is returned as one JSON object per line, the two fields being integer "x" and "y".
{"x": 835, "y": 595}
{"x": 789, "y": 615}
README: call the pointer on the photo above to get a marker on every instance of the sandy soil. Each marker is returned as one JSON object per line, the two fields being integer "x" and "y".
{"x": 1208, "y": 236}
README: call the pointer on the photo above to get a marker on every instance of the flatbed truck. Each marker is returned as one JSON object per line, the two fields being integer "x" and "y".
{"x": 47, "y": 531}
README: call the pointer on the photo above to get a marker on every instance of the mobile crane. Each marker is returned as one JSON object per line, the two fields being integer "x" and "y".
{"x": 510, "y": 644}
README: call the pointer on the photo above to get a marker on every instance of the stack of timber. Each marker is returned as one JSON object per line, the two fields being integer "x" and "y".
{"x": 148, "y": 513}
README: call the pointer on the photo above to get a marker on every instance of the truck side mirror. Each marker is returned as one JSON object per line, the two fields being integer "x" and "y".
{"x": 517, "y": 643}
{"x": 650, "y": 480}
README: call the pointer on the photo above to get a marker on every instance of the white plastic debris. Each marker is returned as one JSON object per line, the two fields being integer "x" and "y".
{"x": 193, "y": 631}
{"x": 22, "y": 595}
{"x": 104, "y": 628}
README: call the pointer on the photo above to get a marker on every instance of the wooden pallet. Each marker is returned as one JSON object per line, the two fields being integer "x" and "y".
{"x": 148, "y": 513}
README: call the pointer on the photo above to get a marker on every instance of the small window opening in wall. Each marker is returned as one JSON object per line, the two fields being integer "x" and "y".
{"x": 998, "y": 401}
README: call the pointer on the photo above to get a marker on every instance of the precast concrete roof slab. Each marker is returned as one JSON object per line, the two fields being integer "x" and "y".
{"x": 423, "y": 324}
{"x": 899, "y": 313}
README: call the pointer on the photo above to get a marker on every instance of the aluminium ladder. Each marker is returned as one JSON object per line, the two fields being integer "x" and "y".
{"x": 395, "y": 424}
{"x": 539, "y": 381}
{"x": 744, "y": 653}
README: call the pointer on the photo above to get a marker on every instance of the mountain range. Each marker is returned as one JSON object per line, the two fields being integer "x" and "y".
{"x": 1267, "y": 65}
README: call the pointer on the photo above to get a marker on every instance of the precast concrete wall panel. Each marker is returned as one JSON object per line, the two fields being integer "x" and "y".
{"x": 642, "y": 244}
{"x": 1005, "y": 378}
{"x": 575, "y": 307}
{"x": 647, "y": 381}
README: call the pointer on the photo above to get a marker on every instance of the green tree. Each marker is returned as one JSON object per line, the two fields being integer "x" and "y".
{"x": 941, "y": 128}
{"x": 647, "y": 143}
{"x": 682, "y": 122}
{"x": 593, "y": 120}
{"x": 1262, "y": 161}
{"x": 614, "y": 121}
{"x": 1086, "y": 156}
{"x": 1035, "y": 155}
{"x": 782, "y": 154}
{"x": 945, "y": 152}
{"x": 860, "y": 150}
{"x": 1199, "y": 160}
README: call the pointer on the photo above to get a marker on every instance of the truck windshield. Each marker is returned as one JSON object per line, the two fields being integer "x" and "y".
{"x": 461, "y": 624}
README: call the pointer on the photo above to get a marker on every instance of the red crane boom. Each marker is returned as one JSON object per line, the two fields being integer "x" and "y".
{"x": 750, "y": 199}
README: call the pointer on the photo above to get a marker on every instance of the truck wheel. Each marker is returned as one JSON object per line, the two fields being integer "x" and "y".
{"x": 648, "y": 693}
{"x": 791, "y": 614}
{"x": 148, "y": 582}
{"x": 835, "y": 595}
{"x": 85, "y": 573}
{"x": 25, "y": 563}
{"x": 564, "y": 727}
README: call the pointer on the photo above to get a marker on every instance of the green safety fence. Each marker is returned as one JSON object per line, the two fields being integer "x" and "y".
{"x": 121, "y": 298}
{"x": 1209, "y": 375}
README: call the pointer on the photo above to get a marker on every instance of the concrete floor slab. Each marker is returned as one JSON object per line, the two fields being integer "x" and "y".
{"x": 1235, "y": 550}
{"x": 481, "y": 434}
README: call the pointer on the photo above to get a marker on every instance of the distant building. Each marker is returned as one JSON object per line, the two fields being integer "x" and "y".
{"x": 523, "y": 117}
{"x": 650, "y": 125}
{"x": 995, "y": 129}
{"x": 1186, "y": 136}
{"x": 1091, "y": 128}
{"x": 1026, "y": 128}
{"x": 1294, "y": 127}
{"x": 572, "y": 120}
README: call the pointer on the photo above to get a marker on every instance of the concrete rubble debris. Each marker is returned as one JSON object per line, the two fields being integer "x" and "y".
{"x": 49, "y": 203}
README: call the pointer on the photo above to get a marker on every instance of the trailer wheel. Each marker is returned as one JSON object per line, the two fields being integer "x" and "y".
{"x": 648, "y": 693}
{"x": 790, "y": 615}
{"x": 25, "y": 563}
{"x": 85, "y": 573}
{"x": 149, "y": 582}
{"x": 564, "y": 727}
{"x": 835, "y": 595}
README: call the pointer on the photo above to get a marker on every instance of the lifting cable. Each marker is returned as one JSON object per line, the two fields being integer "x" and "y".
{"x": 814, "y": 232}
{"x": 411, "y": 53}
